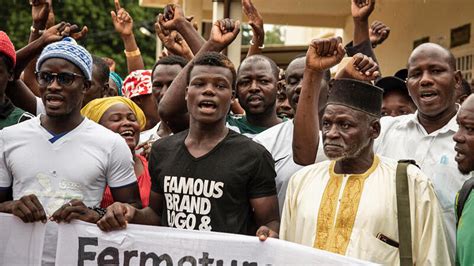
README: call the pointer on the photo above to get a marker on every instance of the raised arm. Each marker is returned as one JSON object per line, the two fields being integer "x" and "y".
{"x": 256, "y": 22}
{"x": 41, "y": 14}
{"x": 322, "y": 54}
{"x": 123, "y": 24}
{"x": 174, "y": 19}
{"x": 361, "y": 10}
{"x": 172, "y": 106}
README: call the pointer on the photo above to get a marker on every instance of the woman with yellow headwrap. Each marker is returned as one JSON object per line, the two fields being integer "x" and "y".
{"x": 124, "y": 117}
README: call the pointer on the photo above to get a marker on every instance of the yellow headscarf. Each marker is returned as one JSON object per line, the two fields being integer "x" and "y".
{"x": 95, "y": 109}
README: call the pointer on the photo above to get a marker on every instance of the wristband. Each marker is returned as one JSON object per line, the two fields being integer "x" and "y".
{"x": 99, "y": 210}
{"x": 132, "y": 53}
{"x": 32, "y": 29}
{"x": 260, "y": 47}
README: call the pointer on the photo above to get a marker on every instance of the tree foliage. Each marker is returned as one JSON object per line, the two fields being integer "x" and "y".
{"x": 101, "y": 40}
{"x": 272, "y": 36}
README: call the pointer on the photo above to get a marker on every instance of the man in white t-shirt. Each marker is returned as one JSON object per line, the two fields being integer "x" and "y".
{"x": 58, "y": 164}
{"x": 278, "y": 139}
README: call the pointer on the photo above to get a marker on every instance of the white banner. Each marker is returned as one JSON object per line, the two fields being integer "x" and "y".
{"x": 81, "y": 243}
{"x": 20, "y": 243}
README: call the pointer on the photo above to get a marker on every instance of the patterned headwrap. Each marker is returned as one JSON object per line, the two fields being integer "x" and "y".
{"x": 95, "y": 109}
{"x": 69, "y": 50}
{"x": 118, "y": 81}
{"x": 7, "y": 48}
{"x": 137, "y": 83}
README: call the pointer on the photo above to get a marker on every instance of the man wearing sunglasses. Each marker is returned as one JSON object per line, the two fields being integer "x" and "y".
{"x": 56, "y": 166}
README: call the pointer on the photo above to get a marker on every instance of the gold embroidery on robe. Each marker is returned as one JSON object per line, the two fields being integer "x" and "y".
{"x": 334, "y": 237}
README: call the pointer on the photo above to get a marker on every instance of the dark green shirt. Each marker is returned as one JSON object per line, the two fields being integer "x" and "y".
{"x": 11, "y": 115}
{"x": 241, "y": 125}
{"x": 465, "y": 234}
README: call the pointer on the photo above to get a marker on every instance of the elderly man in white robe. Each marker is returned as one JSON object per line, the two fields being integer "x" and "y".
{"x": 348, "y": 205}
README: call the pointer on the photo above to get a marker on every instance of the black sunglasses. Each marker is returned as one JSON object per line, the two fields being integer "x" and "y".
{"x": 63, "y": 78}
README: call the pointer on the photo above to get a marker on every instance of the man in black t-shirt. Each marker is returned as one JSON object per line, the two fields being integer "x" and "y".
{"x": 208, "y": 177}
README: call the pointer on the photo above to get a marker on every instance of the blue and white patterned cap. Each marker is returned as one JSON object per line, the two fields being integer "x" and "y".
{"x": 69, "y": 50}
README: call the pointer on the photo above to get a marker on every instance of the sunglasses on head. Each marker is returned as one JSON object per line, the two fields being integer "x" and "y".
{"x": 64, "y": 78}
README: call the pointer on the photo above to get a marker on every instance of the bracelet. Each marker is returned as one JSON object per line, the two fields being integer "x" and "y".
{"x": 132, "y": 53}
{"x": 99, "y": 210}
{"x": 260, "y": 47}
{"x": 32, "y": 29}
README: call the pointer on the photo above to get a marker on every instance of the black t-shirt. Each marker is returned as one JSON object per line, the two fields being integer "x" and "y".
{"x": 212, "y": 192}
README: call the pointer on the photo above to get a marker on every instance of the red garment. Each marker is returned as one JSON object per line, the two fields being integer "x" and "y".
{"x": 144, "y": 185}
{"x": 7, "y": 48}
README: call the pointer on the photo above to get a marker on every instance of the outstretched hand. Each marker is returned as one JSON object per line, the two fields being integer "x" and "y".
{"x": 123, "y": 22}
{"x": 361, "y": 9}
{"x": 224, "y": 32}
{"x": 61, "y": 30}
{"x": 361, "y": 67}
{"x": 323, "y": 54}
{"x": 378, "y": 33}
{"x": 255, "y": 20}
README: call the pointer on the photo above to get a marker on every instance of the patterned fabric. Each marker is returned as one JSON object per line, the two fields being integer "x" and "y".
{"x": 69, "y": 50}
{"x": 95, "y": 109}
{"x": 137, "y": 83}
{"x": 7, "y": 48}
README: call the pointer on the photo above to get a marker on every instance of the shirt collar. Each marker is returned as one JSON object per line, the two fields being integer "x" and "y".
{"x": 452, "y": 125}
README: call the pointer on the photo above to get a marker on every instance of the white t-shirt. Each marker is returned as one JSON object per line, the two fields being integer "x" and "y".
{"x": 278, "y": 141}
{"x": 40, "y": 109}
{"x": 403, "y": 137}
{"x": 78, "y": 165}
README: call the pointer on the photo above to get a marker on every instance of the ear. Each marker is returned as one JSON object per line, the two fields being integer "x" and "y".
{"x": 11, "y": 76}
{"x": 186, "y": 94}
{"x": 458, "y": 79}
{"x": 105, "y": 89}
{"x": 87, "y": 85}
{"x": 374, "y": 128}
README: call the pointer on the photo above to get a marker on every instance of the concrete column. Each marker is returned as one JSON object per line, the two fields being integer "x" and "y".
{"x": 218, "y": 7}
{"x": 234, "y": 49}
{"x": 194, "y": 8}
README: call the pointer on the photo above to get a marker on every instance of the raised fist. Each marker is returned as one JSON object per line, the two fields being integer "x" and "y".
{"x": 378, "y": 33}
{"x": 224, "y": 32}
{"x": 361, "y": 9}
{"x": 324, "y": 53}
{"x": 361, "y": 67}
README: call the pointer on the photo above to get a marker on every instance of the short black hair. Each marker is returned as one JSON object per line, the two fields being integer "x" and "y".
{"x": 8, "y": 62}
{"x": 170, "y": 60}
{"x": 273, "y": 65}
{"x": 214, "y": 59}
{"x": 466, "y": 88}
{"x": 102, "y": 68}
